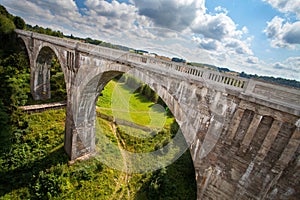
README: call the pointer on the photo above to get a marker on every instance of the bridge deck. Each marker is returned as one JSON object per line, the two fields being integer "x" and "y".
{"x": 279, "y": 97}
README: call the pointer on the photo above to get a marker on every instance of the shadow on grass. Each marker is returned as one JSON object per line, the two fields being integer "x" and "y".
{"x": 23, "y": 176}
{"x": 177, "y": 181}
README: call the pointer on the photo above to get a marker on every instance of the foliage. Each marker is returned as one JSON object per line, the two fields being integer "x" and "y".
{"x": 57, "y": 81}
{"x": 278, "y": 80}
{"x": 49, "y": 183}
{"x": 14, "y": 74}
{"x": 19, "y": 22}
{"x": 282, "y": 81}
{"x": 42, "y": 30}
{"x": 3, "y": 115}
{"x": 33, "y": 164}
{"x": 6, "y": 25}
{"x": 4, "y": 12}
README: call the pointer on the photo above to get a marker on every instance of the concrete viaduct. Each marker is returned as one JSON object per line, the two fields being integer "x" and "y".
{"x": 243, "y": 134}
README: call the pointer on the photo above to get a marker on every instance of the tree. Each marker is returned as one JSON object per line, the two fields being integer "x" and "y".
{"x": 19, "y": 22}
{"x": 14, "y": 74}
{"x": 4, "y": 12}
{"x": 6, "y": 25}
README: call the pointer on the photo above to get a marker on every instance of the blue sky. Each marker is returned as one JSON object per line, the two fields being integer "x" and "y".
{"x": 254, "y": 36}
{"x": 254, "y": 14}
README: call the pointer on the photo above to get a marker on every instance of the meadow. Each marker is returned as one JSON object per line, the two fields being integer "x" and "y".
{"x": 33, "y": 164}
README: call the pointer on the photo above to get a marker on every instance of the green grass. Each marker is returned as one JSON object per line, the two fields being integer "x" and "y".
{"x": 118, "y": 101}
{"x": 33, "y": 164}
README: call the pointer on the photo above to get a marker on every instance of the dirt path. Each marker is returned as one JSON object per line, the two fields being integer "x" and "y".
{"x": 124, "y": 177}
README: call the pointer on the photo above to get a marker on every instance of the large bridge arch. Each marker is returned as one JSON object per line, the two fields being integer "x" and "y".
{"x": 89, "y": 83}
{"x": 229, "y": 169}
{"x": 40, "y": 71}
{"x": 26, "y": 43}
{"x": 40, "y": 55}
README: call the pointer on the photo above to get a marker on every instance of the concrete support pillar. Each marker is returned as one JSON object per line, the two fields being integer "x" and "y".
{"x": 283, "y": 161}
{"x": 41, "y": 81}
{"x": 81, "y": 115}
{"x": 250, "y": 132}
{"x": 40, "y": 73}
{"x": 235, "y": 125}
{"x": 268, "y": 141}
{"x": 79, "y": 132}
{"x": 69, "y": 130}
{"x": 288, "y": 152}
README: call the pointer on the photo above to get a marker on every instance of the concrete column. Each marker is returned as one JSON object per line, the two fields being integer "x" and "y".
{"x": 250, "y": 132}
{"x": 283, "y": 161}
{"x": 268, "y": 141}
{"x": 69, "y": 130}
{"x": 235, "y": 125}
{"x": 34, "y": 84}
{"x": 288, "y": 152}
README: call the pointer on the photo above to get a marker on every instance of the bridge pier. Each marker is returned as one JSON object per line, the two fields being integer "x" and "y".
{"x": 79, "y": 133}
{"x": 40, "y": 75}
{"x": 243, "y": 134}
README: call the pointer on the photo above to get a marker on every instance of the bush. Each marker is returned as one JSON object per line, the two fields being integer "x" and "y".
{"x": 48, "y": 184}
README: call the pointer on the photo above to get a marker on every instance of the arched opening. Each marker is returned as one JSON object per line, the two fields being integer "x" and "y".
{"x": 85, "y": 134}
{"x": 139, "y": 121}
{"x": 47, "y": 77}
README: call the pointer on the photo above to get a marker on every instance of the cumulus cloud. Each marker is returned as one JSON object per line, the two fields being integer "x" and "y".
{"x": 240, "y": 47}
{"x": 287, "y": 68}
{"x": 283, "y": 34}
{"x": 252, "y": 60}
{"x": 172, "y": 14}
{"x": 215, "y": 27}
{"x": 57, "y": 7}
{"x": 293, "y": 63}
{"x": 207, "y": 43}
{"x": 219, "y": 33}
{"x": 221, "y": 10}
{"x": 286, "y": 6}
{"x": 292, "y": 35}
{"x": 111, "y": 15}
{"x": 165, "y": 25}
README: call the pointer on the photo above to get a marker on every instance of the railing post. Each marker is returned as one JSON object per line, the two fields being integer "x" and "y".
{"x": 249, "y": 87}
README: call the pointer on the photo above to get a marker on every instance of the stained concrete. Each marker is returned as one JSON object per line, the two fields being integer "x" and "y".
{"x": 243, "y": 134}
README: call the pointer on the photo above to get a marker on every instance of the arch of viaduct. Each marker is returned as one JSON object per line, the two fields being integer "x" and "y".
{"x": 243, "y": 135}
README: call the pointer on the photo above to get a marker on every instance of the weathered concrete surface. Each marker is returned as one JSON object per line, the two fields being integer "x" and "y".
{"x": 243, "y": 134}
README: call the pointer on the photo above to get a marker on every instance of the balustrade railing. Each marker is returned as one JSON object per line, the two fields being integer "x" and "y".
{"x": 245, "y": 86}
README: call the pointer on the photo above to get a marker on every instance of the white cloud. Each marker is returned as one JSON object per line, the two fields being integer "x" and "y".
{"x": 57, "y": 7}
{"x": 238, "y": 46}
{"x": 180, "y": 28}
{"x": 112, "y": 16}
{"x": 172, "y": 14}
{"x": 221, "y": 10}
{"x": 287, "y": 68}
{"x": 207, "y": 43}
{"x": 252, "y": 60}
{"x": 216, "y": 27}
{"x": 286, "y": 6}
{"x": 283, "y": 35}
